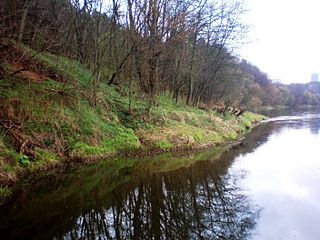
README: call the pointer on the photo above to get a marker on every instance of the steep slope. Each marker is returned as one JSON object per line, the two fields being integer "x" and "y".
{"x": 47, "y": 118}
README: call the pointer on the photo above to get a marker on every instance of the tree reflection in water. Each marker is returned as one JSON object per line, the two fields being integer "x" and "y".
{"x": 146, "y": 201}
{"x": 170, "y": 196}
{"x": 198, "y": 202}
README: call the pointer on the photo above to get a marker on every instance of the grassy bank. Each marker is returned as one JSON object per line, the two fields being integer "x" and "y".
{"x": 47, "y": 118}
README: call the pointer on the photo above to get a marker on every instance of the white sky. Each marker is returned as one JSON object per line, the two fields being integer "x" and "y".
{"x": 285, "y": 38}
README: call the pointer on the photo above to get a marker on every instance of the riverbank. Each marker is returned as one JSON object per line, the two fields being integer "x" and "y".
{"x": 49, "y": 122}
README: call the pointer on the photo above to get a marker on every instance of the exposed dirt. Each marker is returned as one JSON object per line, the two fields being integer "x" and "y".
{"x": 21, "y": 63}
{"x": 17, "y": 62}
{"x": 7, "y": 179}
{"x": 25, "y": 74}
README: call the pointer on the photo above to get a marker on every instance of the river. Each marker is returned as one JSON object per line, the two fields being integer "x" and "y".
{"x": 267, "y": 187}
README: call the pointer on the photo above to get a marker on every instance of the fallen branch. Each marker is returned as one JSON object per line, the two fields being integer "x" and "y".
{"x": 16, "y": 72}
{"x": 23, "y": 144}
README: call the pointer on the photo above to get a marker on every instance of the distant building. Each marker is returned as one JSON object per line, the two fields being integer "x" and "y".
{"x": 315, "y": 77}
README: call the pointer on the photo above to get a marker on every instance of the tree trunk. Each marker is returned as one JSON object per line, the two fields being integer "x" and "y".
{"x": 27, "y": 6}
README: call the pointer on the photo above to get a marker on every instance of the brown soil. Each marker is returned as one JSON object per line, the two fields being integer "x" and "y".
{"x": 21, "y": 63}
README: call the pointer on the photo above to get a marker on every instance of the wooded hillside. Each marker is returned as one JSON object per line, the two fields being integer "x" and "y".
{"x": 84, "y": 79}
{"x": 184, "y": 47}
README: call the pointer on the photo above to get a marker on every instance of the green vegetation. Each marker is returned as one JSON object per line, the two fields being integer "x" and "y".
{"x": 47, "y": 120}
{"x": 5, "y": 194}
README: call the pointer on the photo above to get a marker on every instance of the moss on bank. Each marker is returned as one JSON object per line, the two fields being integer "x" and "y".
{"x": 48, "y": 120}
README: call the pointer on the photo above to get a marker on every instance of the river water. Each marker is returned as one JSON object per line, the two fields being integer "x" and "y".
{"x": 268, "y": 187}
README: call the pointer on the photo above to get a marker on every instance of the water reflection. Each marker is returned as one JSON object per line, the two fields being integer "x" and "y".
{"x": 302, "y": 120}
{"x": 192, "y": 203}
{"x": 283, "y": 178}
{"x": 213, "y": 194}
{"x": 176, "y": 197}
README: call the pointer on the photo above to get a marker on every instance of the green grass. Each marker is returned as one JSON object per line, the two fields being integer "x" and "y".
{"x": 59, "y": 117}
{"x": 70, "y": 69}
{"x": 248, "y": 119}
{"x": 182, "y": 125}
{"x": 5, "y": 194}
{"x": 163, "y": 144}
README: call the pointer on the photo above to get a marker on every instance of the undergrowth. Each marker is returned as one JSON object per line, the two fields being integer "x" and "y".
{"x": 58, "y": 118}
{"x": 5, "y": 194}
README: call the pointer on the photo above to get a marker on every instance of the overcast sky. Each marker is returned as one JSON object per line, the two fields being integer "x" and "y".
{"x": 285, "y": 38}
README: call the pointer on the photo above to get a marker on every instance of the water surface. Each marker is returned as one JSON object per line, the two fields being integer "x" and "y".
{"x": 265, "y": 188}
{"x": 283, "y": 177}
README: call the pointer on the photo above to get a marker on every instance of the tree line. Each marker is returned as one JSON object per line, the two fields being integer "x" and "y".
{"x": 184, "y": 47}
{"x": 265, "y": 92}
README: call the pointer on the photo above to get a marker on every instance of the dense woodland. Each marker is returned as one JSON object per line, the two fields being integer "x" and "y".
{"x": 151, "y": 46}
